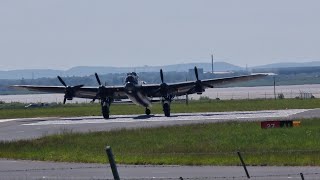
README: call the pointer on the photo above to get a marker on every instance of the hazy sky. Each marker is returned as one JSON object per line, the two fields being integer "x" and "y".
{"x": 60, "y": 34}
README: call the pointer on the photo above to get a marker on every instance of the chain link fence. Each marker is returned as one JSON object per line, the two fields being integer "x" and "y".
{"x": 174, "y": 172}
{"x": 210, "y": 94}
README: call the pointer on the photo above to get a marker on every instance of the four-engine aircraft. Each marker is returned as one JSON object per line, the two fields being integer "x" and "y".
{"x": 137, "y": 91}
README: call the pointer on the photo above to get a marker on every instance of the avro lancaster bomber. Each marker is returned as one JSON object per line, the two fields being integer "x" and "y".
{"x": 137, "y": 91}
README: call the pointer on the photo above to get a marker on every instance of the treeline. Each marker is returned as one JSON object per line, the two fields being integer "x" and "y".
{"x": 109, "y": 79}
{"x": 286, "y": 78}
{"x": 117, "y": 79}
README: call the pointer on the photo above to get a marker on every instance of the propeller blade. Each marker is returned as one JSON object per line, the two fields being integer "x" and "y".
{"x": 98, "y": 79}
{"x": 64, "y": 100}
{"x": 62, "y": 82}
{"x": 161, "y": 75}
{"x": 196, "y": 72}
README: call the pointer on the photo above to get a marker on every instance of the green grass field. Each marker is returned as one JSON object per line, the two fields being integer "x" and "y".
{"x": 202, "y": 144}
{"x": 18, "y": 111}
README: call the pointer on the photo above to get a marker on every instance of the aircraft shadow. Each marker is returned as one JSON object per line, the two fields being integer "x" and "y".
{"x": 174, "y": 115}
{"x": 144, "y": 116}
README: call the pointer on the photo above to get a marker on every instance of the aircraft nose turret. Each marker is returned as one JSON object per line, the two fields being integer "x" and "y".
{"x": 129, "y": 87}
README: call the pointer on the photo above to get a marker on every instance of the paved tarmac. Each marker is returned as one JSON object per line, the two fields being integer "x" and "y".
{"x": 14, "y": 129}
{"x": 11, "y": 169}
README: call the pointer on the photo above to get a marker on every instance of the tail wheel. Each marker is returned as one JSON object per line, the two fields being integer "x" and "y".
{"x": 166, "y": 109}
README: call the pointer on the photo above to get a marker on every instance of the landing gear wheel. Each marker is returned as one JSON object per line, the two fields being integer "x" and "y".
{"x": 166, "y": 109}
{"x": 105, "y": 110}
{"x": 148, "y": 112}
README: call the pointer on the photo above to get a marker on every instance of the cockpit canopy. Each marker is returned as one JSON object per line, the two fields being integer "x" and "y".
{"x": 132, "y": 74}
{"x": 132, "y": 78}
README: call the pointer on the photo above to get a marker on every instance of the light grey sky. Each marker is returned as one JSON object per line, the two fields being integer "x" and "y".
{"x": 59, "y": 34}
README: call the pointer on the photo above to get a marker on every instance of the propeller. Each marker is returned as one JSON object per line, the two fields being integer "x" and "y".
{"x": 101, "y": 89}
{"x": 164, "y": 88}
{"x": 69, "y": 91}
{"x": 199, "y": 85}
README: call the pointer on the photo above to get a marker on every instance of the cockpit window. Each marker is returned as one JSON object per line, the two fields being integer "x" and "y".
{"x": 132, "y": 74}
{"x": 130, "y": 79}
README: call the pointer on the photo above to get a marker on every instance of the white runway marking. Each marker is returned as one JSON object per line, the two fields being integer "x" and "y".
{"x": 175, "y": 117}
{"x": 17, "y": 119}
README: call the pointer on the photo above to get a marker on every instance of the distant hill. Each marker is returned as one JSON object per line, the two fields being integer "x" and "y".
{"x": 89, "y": 70}
{"x": 218, "y": 66}
{"x": 290, "y": 64}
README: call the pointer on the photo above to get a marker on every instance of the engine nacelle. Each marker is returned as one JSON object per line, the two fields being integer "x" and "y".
{"x": 69, "y": 93}
{"x": 199, "y": 90}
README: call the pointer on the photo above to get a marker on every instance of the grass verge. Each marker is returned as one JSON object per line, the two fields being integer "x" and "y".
{"x": 201, "y": 144}
{"x": 7, "y": 111}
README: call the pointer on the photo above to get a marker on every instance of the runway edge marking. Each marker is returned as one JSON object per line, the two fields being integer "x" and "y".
{"x": 236, "y": 115}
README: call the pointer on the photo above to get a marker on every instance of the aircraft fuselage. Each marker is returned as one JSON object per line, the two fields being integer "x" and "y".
{"x": 134, "y": 92}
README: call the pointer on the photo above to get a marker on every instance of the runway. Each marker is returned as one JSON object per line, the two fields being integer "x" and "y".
{"x": 15, "y": 129}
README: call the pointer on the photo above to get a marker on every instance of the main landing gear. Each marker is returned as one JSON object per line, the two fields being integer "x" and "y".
{"x": 148, "y": 112}
{"x": 166, "y": 101}
{"x": 166, "y": 109}
{"x": 105, "y": 107}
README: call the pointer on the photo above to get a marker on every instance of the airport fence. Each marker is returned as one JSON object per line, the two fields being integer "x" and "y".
{"x": 57, "y": 98}
{"x": 110, "y": 171}
{"x": 246, "y": 170}
{"x": 253, "y": 95}
{"x": 259, "y": 92}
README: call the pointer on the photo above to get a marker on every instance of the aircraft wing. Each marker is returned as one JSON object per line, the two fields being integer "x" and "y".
{"x": 188, "y": 87}
{"x": 83, "y": 92}
{"x": 151, "y": 90}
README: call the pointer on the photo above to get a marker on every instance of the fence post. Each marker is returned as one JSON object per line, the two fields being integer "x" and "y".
{"x": 187, "y": 99}
{"x": 301, "y": 176}
{"x": 112, "y": 163}
{"x": 274, "y": 88}
{"x": 244, "y": 165}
